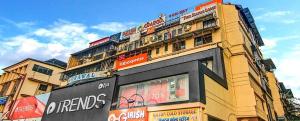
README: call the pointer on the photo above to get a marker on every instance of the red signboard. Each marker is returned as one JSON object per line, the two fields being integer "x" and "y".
{"x": 100, "y": 41}
{"x": 199, "y": 7}
{"x": 29, "y": 107}
{"x": 132, "y": 61}
{"x": 132, "y": 114}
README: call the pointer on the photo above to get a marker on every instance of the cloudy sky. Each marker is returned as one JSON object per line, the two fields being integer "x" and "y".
{"x": 56, "y": 28}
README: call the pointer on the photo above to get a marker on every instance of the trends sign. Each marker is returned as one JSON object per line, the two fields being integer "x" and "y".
{"x": 87, "y": 102}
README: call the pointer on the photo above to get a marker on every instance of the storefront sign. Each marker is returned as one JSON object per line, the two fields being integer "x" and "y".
{"x": 29, "y": 107}
{"x": 86, "y": 102}
{"x": 155, "y": 23}
{"x": 132, "y": 114}
{"x": 100, "y": 41}
{"x": 132, "y": 61}
{"x": 115, "y": 37}
{"x": 192, "y": 114}
{"x": 87, "y": 76}
{"x": 129, "y": 32}
{"x": 199, "y": 13}
{"x": 199, "y": 7}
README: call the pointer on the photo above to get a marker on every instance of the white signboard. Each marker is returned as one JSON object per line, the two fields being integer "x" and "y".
{"x": 159, "y": 22}
{"x": 87, "y": 76}
{"x": 199, "y": 13}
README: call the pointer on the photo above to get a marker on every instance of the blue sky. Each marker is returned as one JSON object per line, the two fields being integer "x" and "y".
{"x": 56, "y": 28}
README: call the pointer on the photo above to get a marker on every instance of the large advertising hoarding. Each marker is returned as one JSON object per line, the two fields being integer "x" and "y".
{"x": 86, "y": 102}
{"x": 190, "y": 114}
{"x": 28, "y": 108}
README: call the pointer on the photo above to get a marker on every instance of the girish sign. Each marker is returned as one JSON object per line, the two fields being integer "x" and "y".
{"x": 132, "y": 114}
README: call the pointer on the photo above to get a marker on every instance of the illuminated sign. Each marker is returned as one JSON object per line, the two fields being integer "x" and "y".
{"x": 192, "y": 114}
{"x": 132, "y": 61}
{"x": 100, "y": 41}
{"x": 199, "y": 13}
{"x": 87, "y": 76}
{"x": 178, "y": 13}
{"x": 86, "y": 102}
{"x": 132, "y": 114}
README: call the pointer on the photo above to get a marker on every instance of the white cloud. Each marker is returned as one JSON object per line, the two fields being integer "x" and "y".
{"x": 114, "y": 26}
{"x": 288, "y": 69}
{"x": 278, "y": 17}
{"x": 271, "y": 43}
{"x": 20, "y": 25}
{"x": 55, "y": 41}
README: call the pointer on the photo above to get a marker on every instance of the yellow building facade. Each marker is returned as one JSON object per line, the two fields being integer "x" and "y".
{"x": 29, "y": 77}
{"x": 248, "y": 92}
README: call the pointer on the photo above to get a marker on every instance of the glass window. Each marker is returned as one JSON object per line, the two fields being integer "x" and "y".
{"x": 164, "y": 90}
{"x": 43, "y": 87}
{"x": 173, "y": 33}
{"x": 179, "y": 45}
{"x": 166, "y": 47}
{"x": 203, "y": 39}
{"x": 157, "y": 50}
{"x": 209, "y": 23}
{"x": 42, "y": 70}
{"x": 180, "y": 31}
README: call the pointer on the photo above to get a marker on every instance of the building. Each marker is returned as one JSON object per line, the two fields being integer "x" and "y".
{"x": 29, "y": 77}
{"x": 199, "y": 63}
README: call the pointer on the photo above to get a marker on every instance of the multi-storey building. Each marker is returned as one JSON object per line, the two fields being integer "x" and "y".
{"x": 204, "y": 60}
{"x": 29, "y": 77}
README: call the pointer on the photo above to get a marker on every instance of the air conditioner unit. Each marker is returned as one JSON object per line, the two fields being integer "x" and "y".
{"x": 187, "y": 27}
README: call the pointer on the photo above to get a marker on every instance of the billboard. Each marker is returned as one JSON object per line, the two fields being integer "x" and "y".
{"x": 86, "y": 102}
{"x": 202, "y": 11}
{"x": 191, "y": 114}
{"x": 132, "y": 114}
{"x": 28, "y": 108}
{"x": 100, "y": 41}
{"x": 132, "y": 61}
{"x": 115, "y": 37}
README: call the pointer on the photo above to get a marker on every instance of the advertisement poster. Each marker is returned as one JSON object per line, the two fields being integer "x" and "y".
{"x": 191, "y": 114}
{"x": 132, "y": 114}
{"x": 29, "y": 108}
{"x": 85, "y": 102}
{"x": 132, "y": 61}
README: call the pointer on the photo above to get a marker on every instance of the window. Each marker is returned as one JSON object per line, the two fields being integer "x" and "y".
{"x": 179, "y": 45}
{"x": 210, "y": 118}
{"x": 173, "y": 33}
{"x": 17, "y": 83}
{"x": 42, "y": 70}
{"x": 164, "y": 90}
{"x": 209, "y": 23}
{"x": 166, "y": 35}
{"x": 4, "y": 88}
{"x": 180, "y": 31}
{"x": 43, "y": 87}
{"x": 166, "y": 47}
{"x": 203, "y": 39}
{"x": 157, "y": 50}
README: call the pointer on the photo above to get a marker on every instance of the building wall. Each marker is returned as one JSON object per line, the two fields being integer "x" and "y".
{"x": 31, "y": 81}
{"x": 277, "y": 102}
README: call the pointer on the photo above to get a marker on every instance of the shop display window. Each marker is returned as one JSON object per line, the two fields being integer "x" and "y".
{"x": 158, "y": 91}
